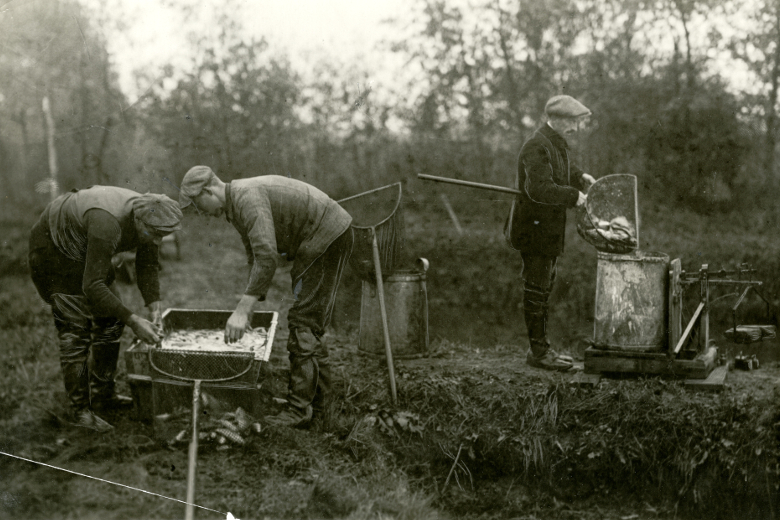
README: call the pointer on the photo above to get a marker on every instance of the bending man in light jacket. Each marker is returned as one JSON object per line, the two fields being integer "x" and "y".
{"x": 278, "y": 215}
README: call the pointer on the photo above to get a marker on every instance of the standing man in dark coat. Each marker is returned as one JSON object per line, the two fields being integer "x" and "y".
{"x": 71, "y": 247}
{"x": 536, "y": 226}
{"x": 277, "y": 215}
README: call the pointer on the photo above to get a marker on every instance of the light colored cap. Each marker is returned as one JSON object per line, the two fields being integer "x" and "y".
{"x": 565, "y": 106}
{"x": 192, "y": 184}
{"x": 157, "y": 211}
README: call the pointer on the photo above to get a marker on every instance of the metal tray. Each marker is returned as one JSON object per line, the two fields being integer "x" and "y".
{"x": 137, "y": 356}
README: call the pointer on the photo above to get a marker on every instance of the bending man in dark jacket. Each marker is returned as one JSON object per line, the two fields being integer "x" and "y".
{"x": 277, "y": 215}
{"x": 71, "y": 247}
{"x": 537, "y": 222}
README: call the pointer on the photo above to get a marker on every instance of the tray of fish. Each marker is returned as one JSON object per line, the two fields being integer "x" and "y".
{"x": 199, "y": 335}
{"x": 253, "y": 341}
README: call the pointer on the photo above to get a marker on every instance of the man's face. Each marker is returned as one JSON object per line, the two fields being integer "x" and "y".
{"x": 208, "y": 203}
{"x": 147, "y": 234}
{"x": 569, "y": 126}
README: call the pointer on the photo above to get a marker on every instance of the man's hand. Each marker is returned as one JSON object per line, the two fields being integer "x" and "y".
{"x": 145, "y": 330}
{"x": 581, "y": 199}
{"x": 239, "y": 320}
{"x": 155, "y": 312}
{"x": 236, "y": 326}
{"x": 588, "y": 180}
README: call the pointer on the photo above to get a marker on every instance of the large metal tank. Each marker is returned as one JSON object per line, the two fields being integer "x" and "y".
{"x": 406, "y": 301}
{"x": 631, "y": 301}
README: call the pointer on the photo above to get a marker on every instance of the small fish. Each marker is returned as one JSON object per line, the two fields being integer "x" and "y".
{"x": 233, "y": 436}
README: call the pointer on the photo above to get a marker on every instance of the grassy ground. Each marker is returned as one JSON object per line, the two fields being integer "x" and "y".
{"x": 475, "y": 434}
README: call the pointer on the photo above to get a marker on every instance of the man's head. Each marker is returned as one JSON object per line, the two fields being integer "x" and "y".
{"x": 155, "y": 217}
{"x": 566, "y": 115}
{"x": 200, "y": 187}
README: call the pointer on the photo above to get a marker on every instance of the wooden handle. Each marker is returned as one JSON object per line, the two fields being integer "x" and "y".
{"x": 470, "y": 184}
{"x": 383, "y": 311}
{"x": 189, "y": 513}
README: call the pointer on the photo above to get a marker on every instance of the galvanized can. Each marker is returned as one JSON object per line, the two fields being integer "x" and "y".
{"x": 631, "y": 301}
{"x": 406, "y": 302}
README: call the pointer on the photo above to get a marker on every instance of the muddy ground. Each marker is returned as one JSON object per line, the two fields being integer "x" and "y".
{"x": 475, "y": 433}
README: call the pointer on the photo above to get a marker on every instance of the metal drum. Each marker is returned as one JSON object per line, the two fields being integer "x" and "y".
{"x": 406, "y": 301}
{"x": 631, "y": 301}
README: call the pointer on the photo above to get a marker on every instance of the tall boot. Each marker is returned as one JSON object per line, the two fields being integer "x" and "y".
{"x": 105, "y": 354}
{"x": 74, "y": 353}
{"x": 323, "y": 398}
{"x": 540, "y": 354}
{"x": 536, "y": 323}
{"x": 304, "y": 375}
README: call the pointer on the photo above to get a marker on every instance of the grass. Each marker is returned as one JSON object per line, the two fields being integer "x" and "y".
{"x": 475, "y": 433}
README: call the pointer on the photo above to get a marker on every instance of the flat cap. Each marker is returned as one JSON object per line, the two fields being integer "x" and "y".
{"x": 192, "y": 184}
{"x": 565, "y": 106}
{"x": 158, "y": 211}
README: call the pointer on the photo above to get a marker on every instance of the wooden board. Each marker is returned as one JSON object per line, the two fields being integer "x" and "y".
{"x": 713, "y": 383}
{"x": 675, "y": 303}
{"x": 619, "y": 361}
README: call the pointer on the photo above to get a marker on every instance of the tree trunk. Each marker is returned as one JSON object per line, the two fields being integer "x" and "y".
{"x": 771, "y": 117}
{"x": 49, "y": 123}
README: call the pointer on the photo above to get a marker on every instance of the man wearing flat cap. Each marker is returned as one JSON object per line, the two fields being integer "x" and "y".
{"x": 277, "y": 215}
{"x": 71, "y": 247}
{"x": 549, "y": 184}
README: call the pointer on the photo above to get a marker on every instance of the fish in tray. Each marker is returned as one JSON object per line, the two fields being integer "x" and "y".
{"x": 253, "y": 340}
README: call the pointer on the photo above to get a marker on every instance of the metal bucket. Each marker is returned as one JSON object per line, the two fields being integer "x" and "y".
{"x": 631, "y": 301}
{"x": 406, "y": 301}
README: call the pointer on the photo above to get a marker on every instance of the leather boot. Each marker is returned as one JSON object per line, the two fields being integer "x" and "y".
{"x": 323, "y": 399}
{"x": 74, "y": 352}
{"x": 540, "y": 355}
{"x": 105, "y": 354}
{"x": 304, "y": 375}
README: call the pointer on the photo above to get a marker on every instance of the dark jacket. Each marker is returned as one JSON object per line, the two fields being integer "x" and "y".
{"x": 549, "y": 184}
{"x": 72, "y": 243}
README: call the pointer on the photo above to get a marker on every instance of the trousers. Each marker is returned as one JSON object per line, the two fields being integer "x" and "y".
{"x": 315, "y": 296}
{"x": 538, "y": 279}
{"x": 80, "y": 334}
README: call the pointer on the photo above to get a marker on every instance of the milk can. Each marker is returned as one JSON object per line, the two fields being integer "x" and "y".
{"x": 406, "y": 301}
{"x": 631, "y": 301}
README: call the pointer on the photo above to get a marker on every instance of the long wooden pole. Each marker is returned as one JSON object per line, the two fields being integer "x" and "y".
{"x": 470, "y": 184}
{"x": 189, "y": 512}
{"x": 380, "y": 289}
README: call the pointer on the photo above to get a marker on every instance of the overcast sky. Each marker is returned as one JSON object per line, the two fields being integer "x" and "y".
{"x": 304, "y": 29}
{"x": 346, "y": 31}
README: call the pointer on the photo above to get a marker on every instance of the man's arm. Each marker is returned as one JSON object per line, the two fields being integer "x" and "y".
{"x": 257, "y": 219}
{"x": 103, "y": 235}
{"x": 581, "y": 180}
{"x": 539, "y": 183}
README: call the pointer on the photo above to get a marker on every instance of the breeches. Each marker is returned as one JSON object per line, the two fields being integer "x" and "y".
{"x": 315, "y": 296}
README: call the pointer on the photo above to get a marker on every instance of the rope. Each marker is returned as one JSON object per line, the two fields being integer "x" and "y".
{"x": 109, "y": 482}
